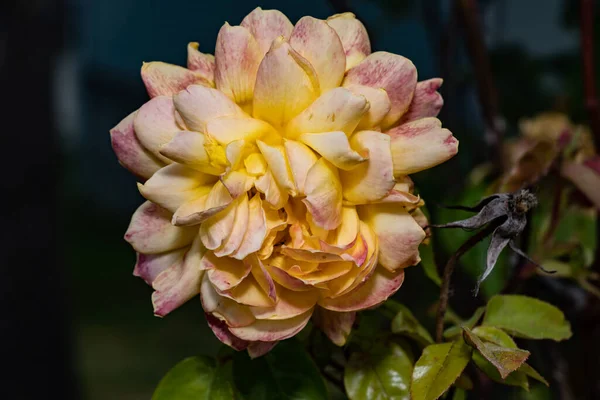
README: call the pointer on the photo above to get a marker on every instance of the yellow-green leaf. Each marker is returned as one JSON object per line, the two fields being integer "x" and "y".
{"x": 494, "y": 335}
{"x": 516, "y": 378}
{"x": 506, "y": 360}
{"x": 470, "y": 323}
{"x": 405, "y": 323}
{"x": 382, "y": 373}
{"x": 527, "y": 317}
{"x": 529, "y": 371}
{"x": 438, "y": 368}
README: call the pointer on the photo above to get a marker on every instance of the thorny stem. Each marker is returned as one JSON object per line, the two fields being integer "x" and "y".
{"x": 469, "y": 14}
{"x": 448, "y": 270}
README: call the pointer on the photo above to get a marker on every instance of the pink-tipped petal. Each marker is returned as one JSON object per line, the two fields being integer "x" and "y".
{"x": 353, "y": 35}
{"x": 300, "y": 158}
{"x": 259, "y": 349}
{"x": 324, "y": 195}
{"x": 272, "y": 330}
{"x": 317, "y": 42}
{"x": 188, "y": 148}
{"x": 155, "y": 125}
{"x": 379, "y": 106}
{"x": 162, "y": 79}
{"x": 149, "y": 266}
{"x": 374, "y": 178}
{"x": 398, "y": 234}
{"x": 199, "y": 104}
{"x": 393, "y": 73}
{"x": 266, "y": 26}
{"x": 237, "y": 57}
{"x": 130, "y": 152}
{"x": 421, "y": 144}
{"x": 201, "y": 63}
{"x": 264, "y": 280}
{"x": 199, "y": 210}
{"x": 336, "y": 325}
{"x": 150, "y": 231}
{"x": 286, "y": 84}
{"x": 378, "y": 288}
{"x": 334, "y": 147}
{"x": 221, "y": 331}
{"x": 427, "y": 101}
{"x": 336, "y": 110}
{"x": 234, "y": 314}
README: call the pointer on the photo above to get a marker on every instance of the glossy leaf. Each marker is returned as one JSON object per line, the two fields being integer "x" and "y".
{"x": 286, "y": 372}
{"x": 196, "y": 378}
{"x": 382, "y": 373}
{"x": 527, "y": 317}
{"x": 470, "y": 323}
{"x": 516, "y": 378}
{"x": 506, "y": 360}
{"x": 438, "y": 368}
{"x": 405, "y": 323}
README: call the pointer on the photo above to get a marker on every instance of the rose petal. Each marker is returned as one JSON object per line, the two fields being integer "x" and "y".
{"x": 262, "y": 277}
{"x": 276, "y": 159}
{"x": 250, "y": 293}
{"x": 374, "y": 178}
{"x": 310, "y": 255}
{"x": 178, "y": 283}
{"x": 199, "y": 210}
{"x": 274, "y": 195}
{"x": 188, "y": 148}
{"x": 300, "y": 158}
{"x": 237, "y": 151}
{"x": 259, "y": 349}
{"x": 150, "y": 231}
{"x": 155, "y": 125}
{"x": 224, "y": 273}
{"x": 201, "y": 63}
{"x": 353, "y": 35}
{"x": 381, "y": 285}
{"x": 336, "y": 325}
{"x": 240, "y": 226}
{"x": 421, "y": 144}
{"x": 336, "y": 110}
{"x": 215, "y": 230}
{"x": 175, "y": 185}
{"x": 222, "y": 307}
{"x": 585, "y": 179}
{"x": 283, "y": 278}
{"x": 379, "y": 106}
{"x": 149, "y": 266}
{"x": 427, "y": 101}
{"x": 317, "y": 42}
{"x": 393, "y": 73}
{"x": 289, "y": 304}
{"x": 221, "y": 331}
{"x": 199, "y": 104}
{"x": 334, "y": 147}
{"x": 256, "y": 229}
{"x": 285, "y": 85}
{"x": 162, "y": 79}
{"x": 324, "y": 195}
{"x": 237, "y": 57}
{"x": 399, "y": 194}
{"x": 266, "y": 26}
{"x": 273, "y": 330}
{"x": 228, "y": 129}
{"x": 398, "y": 234}
{"x": 130, "y": 152}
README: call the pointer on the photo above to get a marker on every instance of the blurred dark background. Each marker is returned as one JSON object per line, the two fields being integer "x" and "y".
{"x": 75, "y": 323}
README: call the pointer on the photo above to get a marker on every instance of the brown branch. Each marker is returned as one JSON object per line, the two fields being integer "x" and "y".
{"x": 468, "y": 13}
{"x": 448, "y": 270}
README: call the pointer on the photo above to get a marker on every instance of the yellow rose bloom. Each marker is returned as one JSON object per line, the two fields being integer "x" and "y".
{"x": 275, "y": 175}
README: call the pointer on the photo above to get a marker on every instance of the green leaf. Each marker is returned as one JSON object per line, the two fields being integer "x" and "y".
{"x": 470, "y": 323}
{"x": 382, "y": 373}
{"x": 495, "y": 335}
{"x": 506, "y": 360}
{"x": 196, "y": 378}
{"x": 516, "y": 378}
{"x": 527, "y": 317}
{"x": 459, "y": 394}
{"x": 438, "y": 368}
{"x": 428, "y": 264}
{"x": 405, "y": 323}
{"x": 529, "y": 371}
{"x": 286, "y": 372}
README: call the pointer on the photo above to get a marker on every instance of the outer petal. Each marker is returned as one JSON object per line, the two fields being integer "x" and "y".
{"x": 285, "y": 85}
{"x": 273, "y": 330}
{"x": 189, "y": 148}
{"x": 420, "y": 145}
{"x": 237, "y": 57}
{"x": 228, "y": 129}
{"x": 427, "y": 101}
{"x": 336, "y": 325}
{"x": 201, "y": 63}
{"x": 222, "y": 307}
{"x": 175, "y": 185}
{"x": 324, "y": 195}
{"x": 149, "y": 266}
{"x": 381, "y": 285}
{"x": 393, "y": 73}
{"x": 155, "y": 124}
{"x": 178, "y": 283}
{"x": 316, "y": 41}
{"x": 373, "y": 179}
{"x": 162, "y": 79}
{"x": 258, "y": 349}
{"x": 379, "y": 102}
{"x": 151, "y": 232}
{"x": 199, "y": 104}
{"x": 199, "y": 210}
{"x": 335, "y": 147}
{"x": 276, "y": 159}
{"x": 301, "y": 159}
{"x": 353, "y": 35}
{"x": 130, "y": 152}
{"x": 221, "y": 331}
{"x": 266, "y": 26}
{"x": 336, "y": 110}
{"x": 398, "y": 234}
